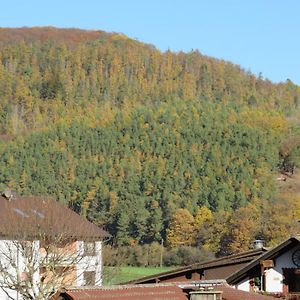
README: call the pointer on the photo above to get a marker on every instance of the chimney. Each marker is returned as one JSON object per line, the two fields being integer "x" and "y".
{"x": 258, "y": 244}
{"x": 9, "y": 194}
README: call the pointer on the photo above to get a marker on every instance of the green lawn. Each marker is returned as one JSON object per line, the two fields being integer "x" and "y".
{"x": 115, "y": 275}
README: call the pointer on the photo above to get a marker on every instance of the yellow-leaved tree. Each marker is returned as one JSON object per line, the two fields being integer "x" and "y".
{"x": 203, "y": 215}
{"x": 181, "y": 229}
{"x": 243, "y": 228}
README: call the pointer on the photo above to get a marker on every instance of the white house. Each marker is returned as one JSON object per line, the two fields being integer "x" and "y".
{"x": 275, "y": 271}
{"x": 45, "y": 246}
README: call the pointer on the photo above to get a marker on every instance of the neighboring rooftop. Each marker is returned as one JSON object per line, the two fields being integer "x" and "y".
{"x": 229, "y": 293}
{"x": 271, "y": 254}
{"x": 32, "y": 217}
{"x": 130, "y": 292}
{"x": 154, "y": 292}
{"x": 224, "y": 265}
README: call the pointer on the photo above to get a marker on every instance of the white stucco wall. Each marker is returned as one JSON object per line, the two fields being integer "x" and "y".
{"x": 90, "y": 263}
{"x": 274, "y": 276}
{"x": 13, "y": 294}
{"x": 99, "y": 266}
{"x": 243, "y": 285}
{"x": 9, "y": 253}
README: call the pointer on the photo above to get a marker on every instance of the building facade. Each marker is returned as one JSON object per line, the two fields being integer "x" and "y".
{"x": 45, "y": 246}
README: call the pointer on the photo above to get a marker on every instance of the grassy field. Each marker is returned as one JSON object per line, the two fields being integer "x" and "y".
{"x": 115, "y": 275}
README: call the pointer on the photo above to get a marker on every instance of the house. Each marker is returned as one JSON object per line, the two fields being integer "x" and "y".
{"x": 274, "y": 271}
{"x": 44, "y": 246}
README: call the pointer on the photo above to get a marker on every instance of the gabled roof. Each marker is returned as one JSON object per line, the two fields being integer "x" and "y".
{"x": 233, "y": 259}
{"x": 130, "y": 292}
{"x": 271, "y": 254}
{"x": 33, "y": 217}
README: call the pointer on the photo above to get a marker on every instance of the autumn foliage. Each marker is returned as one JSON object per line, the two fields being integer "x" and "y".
{"x": 155, "y": 145}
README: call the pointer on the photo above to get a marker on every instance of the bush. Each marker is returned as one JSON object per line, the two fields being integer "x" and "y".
{"x": 150, "y": 255}
{"x": 185, "y": 255}
{"x": 171, "y": 258}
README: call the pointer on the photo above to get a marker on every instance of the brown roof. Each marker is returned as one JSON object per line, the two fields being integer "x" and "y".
{"x": 152, "y": 292}
{"x": 235, "y": 259}
{"x": 31, "y": 217}
{"x": 230, "y": 293}
{"x": 138, "y": 292}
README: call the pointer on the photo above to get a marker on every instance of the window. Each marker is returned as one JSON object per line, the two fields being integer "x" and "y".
{"x": 89, "y": 277}
{"x": 89, "y": 249}
{"x": 291, "y": 280}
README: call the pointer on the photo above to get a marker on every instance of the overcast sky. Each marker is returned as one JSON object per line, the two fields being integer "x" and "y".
{"x": 260, "y": 35}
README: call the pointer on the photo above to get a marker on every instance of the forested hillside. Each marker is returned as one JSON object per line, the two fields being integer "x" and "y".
{"x": 140, "y": 140}
{"x": 45, "y": 80}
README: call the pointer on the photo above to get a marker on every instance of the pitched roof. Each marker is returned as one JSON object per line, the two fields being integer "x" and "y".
{"x": 153, "y": 292}
{"x": 137, "y": 292}
{"x": 229, "y": 293}
{"x": 233, "y": 259}
{"x": 271, "y": 254}
{"x": 31, "y": 217}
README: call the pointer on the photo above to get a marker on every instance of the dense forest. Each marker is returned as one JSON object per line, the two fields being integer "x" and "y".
{"x": 151, "y": 145}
